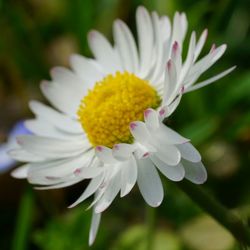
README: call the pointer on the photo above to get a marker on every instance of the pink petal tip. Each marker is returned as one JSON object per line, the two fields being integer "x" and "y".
{"x": 133, "y": 125}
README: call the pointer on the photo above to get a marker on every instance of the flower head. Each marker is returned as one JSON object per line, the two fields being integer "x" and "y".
{"x": 107, "y": 125}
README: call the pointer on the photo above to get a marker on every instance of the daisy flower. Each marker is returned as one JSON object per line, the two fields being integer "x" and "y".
{"x": 107, "y": 120}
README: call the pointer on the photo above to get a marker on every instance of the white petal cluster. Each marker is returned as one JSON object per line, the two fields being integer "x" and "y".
{"x": 58, "y": 154}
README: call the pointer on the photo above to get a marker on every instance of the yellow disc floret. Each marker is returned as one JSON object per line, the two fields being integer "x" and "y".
{"x": 114, "y": 102}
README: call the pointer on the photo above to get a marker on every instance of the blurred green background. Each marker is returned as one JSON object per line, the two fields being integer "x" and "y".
{"x": 39, "y": 34}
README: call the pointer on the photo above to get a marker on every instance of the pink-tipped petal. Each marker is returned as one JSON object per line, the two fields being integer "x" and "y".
{"x": 123, "y": 151}
{"x": 210, "y": 80}
{"x": 176, "y": 57}
{"x": 139, "y": 131}
{"x": 105, "y": 155}
{"x": 170, "y": 82}
{"x": 151, "y": 118}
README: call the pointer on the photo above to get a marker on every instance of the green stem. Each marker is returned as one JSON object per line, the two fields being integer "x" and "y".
{"x": 220, "y": 213}
{"x": 150, "y": 215}
{"x": 24, "y": 221}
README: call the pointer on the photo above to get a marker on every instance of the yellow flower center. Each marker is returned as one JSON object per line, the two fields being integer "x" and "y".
{"x": 114, "y": 102}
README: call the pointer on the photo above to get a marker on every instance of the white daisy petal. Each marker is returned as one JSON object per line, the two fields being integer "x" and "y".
{"x": 157, "y": 79}
{"x": 174, "y": 173}
{"x": 87, "y": 173}
{"x": 42, "y": 128}
{"x": 170, "y": 82}
{"x": 21, "y": 155}
{"x": 95, "y": 222}
{"x": 184, "y": 25}
{"x": 98, "y": 195}
{"x": 159, "y": 44}
{"x": 151, "y": 119}
{"x": 189, "y": 152}
{"x": 170, "y": 108}
{"x": 176, "y": 57}
{"x": 42, "y": 177}
{"x": 103, "y": 52}
{"x": 168, "y": 154}
{"x": 91, "y": 189}
{"x": 105, "y": 154}
{"x": 143, "y": 151}
{"x": 149, "y": 183}
{"x": 177, "y": 36}
{"x": 145, "y": 39}
{"x": 163, "y": 112}
{"x": 195, "y": 172}
{"x": 189, "y": 59}
{"x": 139, "y": 131}
{"x": 166, "y": 136}
{"x": 51, "y": 172}
{"x": 50, "y": 147}
{"x": 54, "y": 178}
{"x": 110, "y": 193}
{"x": 200, "y": 44}
{"x": 52, "y": 116}
{"x": 126, "y": 46}
{"x": 165, "y": 27}
{"x": 217, "y": 53}
{"x": 179, "y": 28}
{"x": 63, "y": 99}
{"x": 87, "y": 69}
{"x": 210, "y": 80}
{"x": 129, "y": 176}
{"x": 123, "y": 151}
{"x": 203, "y": 64}
{"x": 61, "y": 184}
{"x": 68, "y": 81}
{"x": 21, "y": 172}
{"x": 66, "y": 78}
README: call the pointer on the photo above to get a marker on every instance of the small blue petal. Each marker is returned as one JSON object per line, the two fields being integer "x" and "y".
{"x": 6, "y": 162}
{"x": 19, "y": 129}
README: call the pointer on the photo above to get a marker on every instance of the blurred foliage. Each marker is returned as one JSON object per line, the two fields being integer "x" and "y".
{"x": 67, "y": 232}
{"x": 207, "y": 230}
{"x": 39, "y": 34}
{"x": 134, "y": 239}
